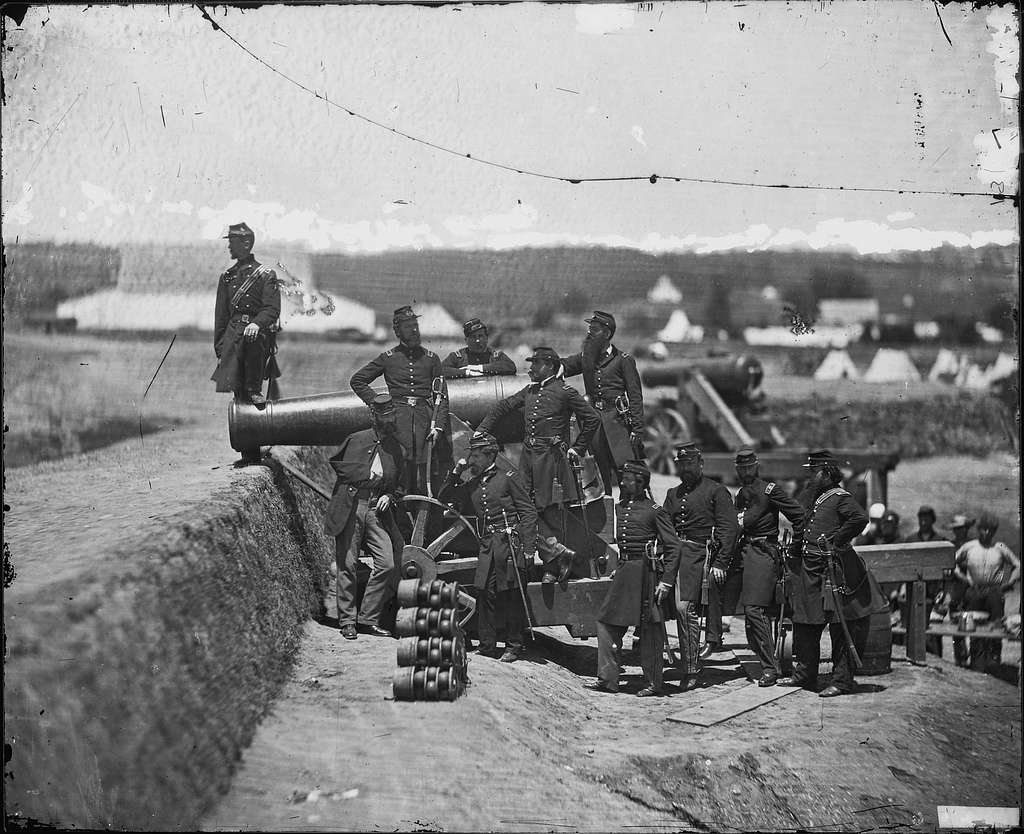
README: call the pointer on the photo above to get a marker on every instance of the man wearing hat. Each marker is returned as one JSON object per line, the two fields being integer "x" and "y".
{"x": 644, "y": 578}
{"x": 833, "y": 513}
{"x": 476, "y": 358}
{"x": 872, "y": 532}
{"x": 704, "y": 517}
{"x": 361, "y": 516}
{"x": 547, "y": 405}
{"x": 612, "y": 385}
{"x": 245, "y": 321}
{"x": 758, "y": 504}
{"x": 926, "y": 533}
{"x": 414, "y": 380}
{"x": 500, "y": 501}
{"x": 960, "y": 526}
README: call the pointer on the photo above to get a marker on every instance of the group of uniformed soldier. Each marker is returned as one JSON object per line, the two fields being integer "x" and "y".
{"x": 699, "y": 551}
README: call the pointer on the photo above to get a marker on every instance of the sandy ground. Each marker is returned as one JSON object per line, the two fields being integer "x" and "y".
{"x": 528, "y": 749}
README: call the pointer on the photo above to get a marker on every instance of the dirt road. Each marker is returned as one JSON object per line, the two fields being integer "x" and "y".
{"x": 528, "y": 749}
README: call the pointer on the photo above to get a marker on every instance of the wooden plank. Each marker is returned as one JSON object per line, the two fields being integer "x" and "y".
{"x": 573, "y": 604}
{"x": 731, "y": 704}
{"x": 917, "y": 621}
{"x": 908, "y": 561}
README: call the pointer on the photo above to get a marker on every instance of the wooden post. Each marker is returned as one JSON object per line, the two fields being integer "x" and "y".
{"x": 917, "y": 621}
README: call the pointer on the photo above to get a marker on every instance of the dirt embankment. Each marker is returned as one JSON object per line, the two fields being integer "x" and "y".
{"x": 146, "y": 635}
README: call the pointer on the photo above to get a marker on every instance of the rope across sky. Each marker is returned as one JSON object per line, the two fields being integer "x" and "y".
{"x": 652, "y": 178}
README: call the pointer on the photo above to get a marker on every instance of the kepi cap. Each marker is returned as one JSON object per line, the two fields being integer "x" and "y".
{"x": 473, "y": 326}
{"x": 746, "y": 457}
{"x": 403, "y": 314}
{"x": 240, "y": 230}
{"x": 603, "y": 318}
{"x": 687, "y": 451}
{"x": 926, "y": 510}
{"x": 382, "y": 404}
{"x": 544, "y": 354}
{"x": 637, "y": 467}
{"x": 820, "y": 458}
{"x": 483, "y": 440}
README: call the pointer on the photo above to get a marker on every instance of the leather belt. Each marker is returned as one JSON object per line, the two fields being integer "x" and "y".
{"x": 412, "y": 401}
{"x": 245, "y": 318}
{"x": 541, "y": 441}
{"x": 701, "y": 542}
{"x": 601, "y": 405}
{"x": 762, "y": 540}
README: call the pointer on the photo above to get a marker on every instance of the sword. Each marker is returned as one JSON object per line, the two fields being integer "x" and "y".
{"x": 830, "y": 585}
{"x": 436, "y": 389}
{"x": 513, "y": 536}
{"x": 779, "y": 633}
{"x": 654, "y": 561}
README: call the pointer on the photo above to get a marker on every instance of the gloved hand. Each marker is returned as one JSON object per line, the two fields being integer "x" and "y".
{"x": 252, "y": 330}
{"x": 573, "y": 456}
{"x": 474, "y": 370}
{"x": 662, "y": 591}
{"x": 433, "y": 434}
{"x": 718, "y": 574}
{"x": 460, "y": 466}
{"x": 739, "y": 519}
{"x": 383, "y": 503}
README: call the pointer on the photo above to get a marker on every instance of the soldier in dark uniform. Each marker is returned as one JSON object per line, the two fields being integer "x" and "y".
{"x": 246, "y": 321}
{"x": 498, "y": 498}
{"x": 833, "y": 513}
{"x": 547, "y": 405}
{"x": 612, "y": 385}
{"x": 476, "y": 358}
{"x": 704, "y": 517}
{"x": 414, "y": 380}
{"x": 361, "y": 515}
{"x": 642, "y": 580}
{"x": 758, "y": 505}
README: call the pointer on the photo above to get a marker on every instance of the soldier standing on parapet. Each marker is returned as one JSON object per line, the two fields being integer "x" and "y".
{"x": 507, "y": 522}
{"x": 758, "y": 505}
{"x": 704, "y": 517}
{"x": 817, "y": 567}
{"x": 246, "y": 321}
{"x": 414, "y": 380}
{"x": 612, "y": 385}
{"x": 476, "y": 358}
{"x": 546, "y": 464}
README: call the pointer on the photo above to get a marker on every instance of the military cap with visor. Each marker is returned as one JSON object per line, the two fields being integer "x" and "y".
{"x": 484, "y": 441}
{"x": 544, "y": 354}
{"x": 746, "y": 457}
{"x": 382, "y": 404}
{"x": 822, "y": 457}
{"x": 602, "y": 318}
{"x": 688, "y": 451}
{"x": 240, "y": 230}
{"x": 404, "y": 314}
{"x": 637, "y": 467}
{"x": 473, "y": 326}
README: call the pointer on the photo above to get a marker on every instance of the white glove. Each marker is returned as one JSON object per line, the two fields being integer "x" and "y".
{"x": 739, "y": 518}
{"x": 252, "y": 330}
{"x": 662, "y": 591}
{"x": 573, "y": 456}
{"x": 433, "y": 434}
{"x": 383, "y": 503}
{"x": 474, "y": 370}
{"x": 718, "y": 575}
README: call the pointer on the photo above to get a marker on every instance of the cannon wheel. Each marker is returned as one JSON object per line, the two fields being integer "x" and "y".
{"x": 664, "y": 430}
{"x": 419, "y": 559}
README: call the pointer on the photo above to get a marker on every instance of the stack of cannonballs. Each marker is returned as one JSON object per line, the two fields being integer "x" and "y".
{"x": 431, "y": 644}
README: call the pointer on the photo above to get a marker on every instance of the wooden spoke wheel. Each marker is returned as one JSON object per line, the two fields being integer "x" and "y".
{"x": 665, "y": 429}
{"x": 419, "y": 558}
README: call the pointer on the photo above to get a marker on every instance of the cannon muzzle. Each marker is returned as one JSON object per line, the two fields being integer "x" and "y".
{"x": 737, "y": 379}
{"x": 327, "y": 419}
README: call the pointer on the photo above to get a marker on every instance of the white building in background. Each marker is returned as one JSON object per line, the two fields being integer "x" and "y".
{"x": 664, "y": 292}
{"x": 820, "y": 337}
{"x": 843, "y": 312}
{"x": 437, "y": 322}
{"x": 118, "y": 309}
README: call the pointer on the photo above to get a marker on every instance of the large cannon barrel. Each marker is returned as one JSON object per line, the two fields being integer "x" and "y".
{"x": 327, "y": 419}
{"x": 737, "y": 379}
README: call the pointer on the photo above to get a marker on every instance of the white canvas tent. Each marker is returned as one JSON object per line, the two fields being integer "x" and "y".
{"x": 837, "y": 365}
{"x": 436, "y": 321}
{"x": 1004, "y": 366}
{"x": 117, "y": 309}
{"x": 664, "y": 292}
{"x": 891, "y": 366}
{"x": 679, "y": 329}
{"x": 947, "y": 366}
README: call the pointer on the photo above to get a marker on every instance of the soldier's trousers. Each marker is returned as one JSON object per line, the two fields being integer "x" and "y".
{"x": 364, "y": 531}
{"x": 609, "y": 654}
{"x": 807, "y": 651}
{"x": 499, "y": 608}
{"x": 717, "y": 597}
{"x": 759, "y": 636}
{"x": 688, "y": 628}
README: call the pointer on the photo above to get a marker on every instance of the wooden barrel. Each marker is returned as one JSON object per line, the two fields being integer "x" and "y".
{"x": 877, "y": 657}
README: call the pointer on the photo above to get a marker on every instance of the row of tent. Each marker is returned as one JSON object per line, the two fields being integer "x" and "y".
{"x": 890, "y": 365}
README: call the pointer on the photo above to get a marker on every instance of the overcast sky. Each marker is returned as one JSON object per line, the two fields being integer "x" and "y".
{"x": 131, "y": 124}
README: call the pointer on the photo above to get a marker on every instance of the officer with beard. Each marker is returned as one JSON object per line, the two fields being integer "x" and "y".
{"x": 833, "y": 513}
{"x": 415, "y": 382}
{"x": 361, "y": 516}
{"x": 547, "y": 405}
{"x": 499, "y": 500}
{"x": 643, "y": 579}
{"x": 704, "y": 517}
{"x": 758, "y": 504}
{"x": 613, "y": 388}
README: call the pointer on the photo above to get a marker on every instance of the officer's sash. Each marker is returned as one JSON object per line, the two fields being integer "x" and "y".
{"x": 246, "y": 286}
